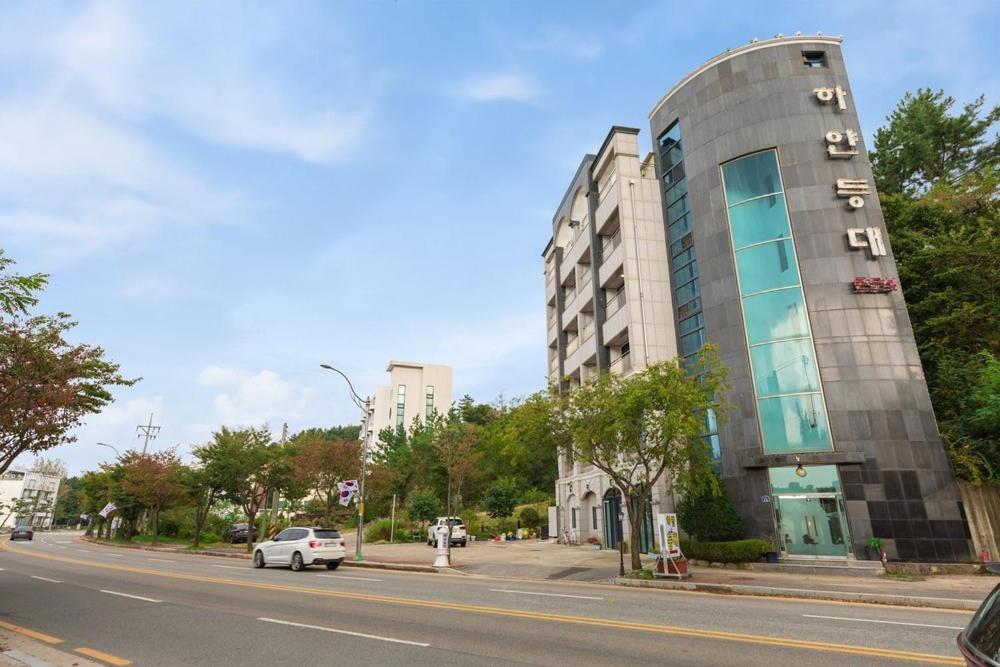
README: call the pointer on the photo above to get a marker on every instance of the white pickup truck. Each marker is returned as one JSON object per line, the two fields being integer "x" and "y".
{"x": 458, "y": 533}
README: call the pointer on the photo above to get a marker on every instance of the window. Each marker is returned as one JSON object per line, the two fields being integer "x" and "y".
{"x": 593, "y": 517}
{"x": 572, "y": 513}
{"x": 429, "y": 407}
{"x": 814, "y": 58}
{"x": 818, "y": 479}
{"x": 326, "y": 534}
{"x": 625, "y": 349}
{"x": 400, "y": 408}
{"x": 692, "y": 342}
{"x": 783, "y": 364}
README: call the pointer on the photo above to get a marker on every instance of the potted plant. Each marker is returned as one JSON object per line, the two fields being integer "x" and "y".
{"x": 771, "y": 555}
{"x": 595, "y": 542}
{"x": 873, "y": 547}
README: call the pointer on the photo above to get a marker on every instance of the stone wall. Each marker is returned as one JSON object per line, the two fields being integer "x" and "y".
{"x": 982, "y": 509}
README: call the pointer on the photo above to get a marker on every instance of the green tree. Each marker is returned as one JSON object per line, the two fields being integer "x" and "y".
{"x": 637, "y": 429}
{"x": 17, "y": 292}
{"x": 423, "y": 505}
{"x": 200, "y": 493}
{"x": 455, "y": 444}
{"x": 245, "y": 467}
{"x": 530, "y": 518}
{"x": 500, "y": 500}
{"x": 68, "y": 505}
{"x": 528, "y": 442}
{"x": 155, "y": 481}
{"x": 708, "y": 514}
{"x": 924, "y": 144}
{"x": 319, "y": 464}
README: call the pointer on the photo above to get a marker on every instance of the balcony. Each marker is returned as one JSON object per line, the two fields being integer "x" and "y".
{"x": 608, "y": 205}
{"x": 588, "y": 331}
{"x": 616, "y": 320}
{"x": 622, "y": 365}
{"x": 576, "y": 249}
{"x": 583, "y": 279}
{"x": 550, "y": 288}
{"x": 553, "y": 331}
{"x": 613, "y": 257}
{"x": 615, "y": 304}
{"x": 572, "y": 345}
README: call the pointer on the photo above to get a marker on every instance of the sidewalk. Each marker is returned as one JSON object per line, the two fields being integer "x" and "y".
{"x": 19, "y": 651}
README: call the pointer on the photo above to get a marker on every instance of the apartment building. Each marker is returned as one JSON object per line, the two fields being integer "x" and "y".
{"x": 415, "y": 390}
{"x": 608, "y": 303}
{"x": 770, "y": 244}
{"x": 39, "y": 493}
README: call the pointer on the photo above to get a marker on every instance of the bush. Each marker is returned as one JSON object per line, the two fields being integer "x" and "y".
{"x": 529, "y": 518}
{"x": 209, "y": 538}
{"x": 380, "y": 530}
{"x": 709, "y": 516}
{"x": 738, "y": 551}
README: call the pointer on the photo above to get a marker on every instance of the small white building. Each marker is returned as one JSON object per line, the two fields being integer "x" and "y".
{"x": 415, "y": 390}
{"x": 38, "y": 490}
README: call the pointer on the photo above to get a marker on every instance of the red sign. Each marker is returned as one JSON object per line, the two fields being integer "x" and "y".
{"x": 874, "y": 285}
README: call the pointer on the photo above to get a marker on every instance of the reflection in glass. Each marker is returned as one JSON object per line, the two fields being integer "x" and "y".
{"x": 751, "y": 176}
{"x": 784, "y": 368}
{"x": 775, "y": 315}
{"x": 793, "y": 424}
{"x": 766, "y": 266}
{"x": 763, "y": 219}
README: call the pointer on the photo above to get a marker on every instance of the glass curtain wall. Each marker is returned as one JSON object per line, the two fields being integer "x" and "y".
{"x": 786, "y": 382}
{"x": 687, "y": 289}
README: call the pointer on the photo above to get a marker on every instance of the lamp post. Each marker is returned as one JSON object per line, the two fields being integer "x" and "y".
{"x": 364, "y": 404}
{"x": 112, "y": 447}
{"x": 621, "y": 543}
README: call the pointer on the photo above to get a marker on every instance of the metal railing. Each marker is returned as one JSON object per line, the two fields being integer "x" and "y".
{"x": 584, "y": 277}
{"x": 610, "y": 243}
{"x": 572, "y": 345}
{"x": 615, "y": 304}
{"x": 568, "y": 295}
{"x": 623, "y": 363}
{"x": 588, "y": 330}
{"x": 606, "y": 188}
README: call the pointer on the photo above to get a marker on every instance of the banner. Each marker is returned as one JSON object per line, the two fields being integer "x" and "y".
{"x": 347, "y": 490}
{"x": 670, "y": 537}
{"x": 108, "y": 509}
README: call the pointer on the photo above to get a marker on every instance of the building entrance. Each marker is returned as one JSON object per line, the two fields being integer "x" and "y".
{"x": 809, "y": 510}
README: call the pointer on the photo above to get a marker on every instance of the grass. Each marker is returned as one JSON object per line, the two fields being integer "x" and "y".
{"x": 899, "y": 576}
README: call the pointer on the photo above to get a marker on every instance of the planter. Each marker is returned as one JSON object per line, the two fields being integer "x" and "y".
{"x": 672, "y": 566}
{"x": 771, "y": 556}
{"x": 873, "y": 554}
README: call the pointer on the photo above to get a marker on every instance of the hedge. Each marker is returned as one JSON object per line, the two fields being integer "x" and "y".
{"x": 739, "y": 551}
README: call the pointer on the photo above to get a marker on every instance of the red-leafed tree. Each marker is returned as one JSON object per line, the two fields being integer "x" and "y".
{"x": 319, "y": 464}
{"x": 155, "y": 481}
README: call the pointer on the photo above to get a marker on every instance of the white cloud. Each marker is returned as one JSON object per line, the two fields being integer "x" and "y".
{"x": 248, "y": 399}
{"x": 566, "y": 43}
{"x": 497, "y": 87}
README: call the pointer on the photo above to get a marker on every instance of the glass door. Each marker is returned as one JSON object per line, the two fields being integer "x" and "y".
{"x": 812, "y": 525}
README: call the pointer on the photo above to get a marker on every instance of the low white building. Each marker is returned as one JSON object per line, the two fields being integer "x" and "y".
{"x": 415, "y": 390}
{"x": 37, "y": 490}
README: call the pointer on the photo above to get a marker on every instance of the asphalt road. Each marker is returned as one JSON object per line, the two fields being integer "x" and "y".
{"x": 149, "y": 608}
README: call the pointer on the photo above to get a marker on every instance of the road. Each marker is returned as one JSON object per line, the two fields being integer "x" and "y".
{"x": 147, "y": 608}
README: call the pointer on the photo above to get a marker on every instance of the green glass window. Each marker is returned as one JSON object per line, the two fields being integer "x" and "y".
{"x": 787, "y": 367}
{"x": 766, "y": 266}
{"x": 751, "y": 176}
{"x": 818, "y": 479}
{"x": 687, "y": 292}
{"x": 680, "y": 227}
{"x": 692, "y": 342}
{"x": 759, "y": 220}
{"x": 775, "y": 315}
{"x": 686, "y": 273}
{"x": 794, "y": 424}
{"x": 691, "y": 323}
{"x": 677, "y": 209}
{"x": 678, "y": 190}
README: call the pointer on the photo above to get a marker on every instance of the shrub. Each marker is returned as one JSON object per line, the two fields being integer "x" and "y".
{"x": 380, "y": 530}
{"x": 500, "y": 499}
{"x": 709, "y": 516}
{"x": 423, "y": 505}
{"x": 529, "y": 518}
{"x": 738, "y": 551}
{"x": 209, "y": 538}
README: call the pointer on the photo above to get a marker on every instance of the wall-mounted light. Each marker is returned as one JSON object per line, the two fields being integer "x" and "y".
{"x": 799, "y": 470}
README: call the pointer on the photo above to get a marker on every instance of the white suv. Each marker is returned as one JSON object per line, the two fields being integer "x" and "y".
{"x": 458, "y": 534}
{"x": 299, "y": 547}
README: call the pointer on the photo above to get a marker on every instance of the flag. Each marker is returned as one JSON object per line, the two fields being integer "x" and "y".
{"x": 108, "y": 509}
{"x": 347, "y": 490}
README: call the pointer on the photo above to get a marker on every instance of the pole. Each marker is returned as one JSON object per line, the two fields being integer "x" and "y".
{"x": 392, "y": 521}
{"x": 638, "y": 272}
{"x": 621, "y": 544}
{"x": 361, "y": 485}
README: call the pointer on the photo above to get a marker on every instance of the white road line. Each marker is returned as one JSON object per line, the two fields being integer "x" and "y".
{"x": 53, "y": 581}
{"x": 134, "y": 597}
{"x": 86, "y": 551}
{"x": 162, "y": 560}
{"x": 872, "y": 620}
{"x": 231, "y": 567}
{"x": 883, "y": 595}
{"x": 551, "y": 595}
{"x": 115, "y": 555}
{"x": 347, "y": 576}
{"x": 344, "y": 632}
{"x": 62, "y": 547}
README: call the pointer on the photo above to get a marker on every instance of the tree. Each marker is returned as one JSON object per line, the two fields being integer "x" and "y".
{"x": 155, "y": 481}
{"x": 924, "y": 144}
{"x": 708, "y": 514}
{"x": 95, "y": 493}
{"x": 320, "y": 464}
{"x": 47, "y": 385}
{"x": 528, "y": 441}
{"x": 500, "y": 500}
{"x": 455, "y": 443}
{"x": 530, "y": 518}
{"x": 200, "y": 491}
{"x": 244, "y": 466}
{"x": 423, "y": 505}
{"x": 49, "y": 467}
{"x": 68, "y": 505}
{"x": 17, "y": 292}
{"x": 637, "y": 429}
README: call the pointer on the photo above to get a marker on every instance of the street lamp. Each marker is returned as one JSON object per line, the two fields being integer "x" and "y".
{"x": 363, "y": 404}
{"x": 104, "y": 444}
{"x": 621, "y": 543}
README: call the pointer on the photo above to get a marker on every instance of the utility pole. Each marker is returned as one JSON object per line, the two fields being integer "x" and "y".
{"x": 147, "y": 430}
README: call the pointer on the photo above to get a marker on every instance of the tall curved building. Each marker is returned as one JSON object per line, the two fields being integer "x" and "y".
{"x": 778, "y": 254}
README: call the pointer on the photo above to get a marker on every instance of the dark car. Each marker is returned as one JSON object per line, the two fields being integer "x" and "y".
{"x": 22, "y": 533}
{"x": 237, "y": 533}
{"x": 980, "y": 641}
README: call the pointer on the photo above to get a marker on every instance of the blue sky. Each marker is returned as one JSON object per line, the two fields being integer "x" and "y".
{"x": 226, "y": 197}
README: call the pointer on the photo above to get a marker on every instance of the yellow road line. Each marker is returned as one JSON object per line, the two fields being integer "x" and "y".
{"x": 103, "y": 657}
{"x": 783, "y": 642}
{"x": 40, "y": 636}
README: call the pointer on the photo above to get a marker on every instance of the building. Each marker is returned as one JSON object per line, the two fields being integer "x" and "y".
{"x": 415, "y": 390}
{"x": 39, "y": 493}
{"x": 607, "y": 293}
{"x": 778, "y": 254}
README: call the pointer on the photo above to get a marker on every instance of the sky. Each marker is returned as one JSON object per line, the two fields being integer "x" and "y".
{"x": 228, "y": 195}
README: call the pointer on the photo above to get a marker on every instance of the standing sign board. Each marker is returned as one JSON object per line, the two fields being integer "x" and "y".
{"x": 670, "y": 548}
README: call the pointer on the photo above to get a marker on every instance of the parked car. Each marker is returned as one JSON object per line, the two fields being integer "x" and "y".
{"x": 22, "y": 533}
{"x": 458, "y": 533}
{"x": 301, "y": 547}
{"x": 980, "y": 641}
{"x": 237, "y": 533}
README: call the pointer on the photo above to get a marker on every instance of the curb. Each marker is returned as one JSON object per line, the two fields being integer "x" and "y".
{"x": 375, "y": 565}
{"x": 804, "y": 594}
